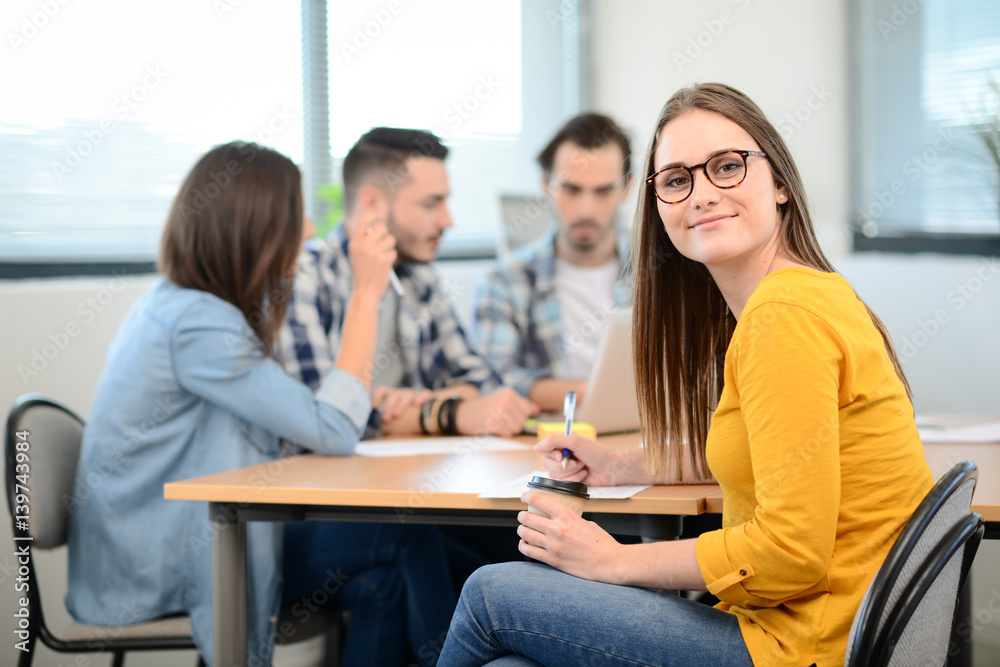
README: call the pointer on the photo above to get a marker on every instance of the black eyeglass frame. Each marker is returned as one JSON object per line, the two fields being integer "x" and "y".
{"x": 651, "y": 181}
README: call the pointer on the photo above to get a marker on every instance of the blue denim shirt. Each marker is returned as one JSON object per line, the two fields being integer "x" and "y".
{"x": 188, "y": 391}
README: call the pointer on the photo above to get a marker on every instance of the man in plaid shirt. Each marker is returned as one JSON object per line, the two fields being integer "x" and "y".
{"x": 539, "y": 314}
{"x": 426, "y": 376}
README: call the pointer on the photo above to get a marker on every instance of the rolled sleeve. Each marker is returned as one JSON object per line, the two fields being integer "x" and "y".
{"x": 723, "y": 579}
{"x": 347, "y": 394}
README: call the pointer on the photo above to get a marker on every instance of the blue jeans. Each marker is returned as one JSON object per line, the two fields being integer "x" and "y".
{"x": 393, "y": 578}
{"x": 553, "y": 618}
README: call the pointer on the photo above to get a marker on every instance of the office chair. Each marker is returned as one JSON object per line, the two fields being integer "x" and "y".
{"x": 54, "y": 436}
{"x": 906, "y": 616}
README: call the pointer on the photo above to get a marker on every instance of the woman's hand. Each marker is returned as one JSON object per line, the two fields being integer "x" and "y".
{"x": 393, "y": 401}
{"x": 567, "y": 541}
{"x": 590, "y": 462}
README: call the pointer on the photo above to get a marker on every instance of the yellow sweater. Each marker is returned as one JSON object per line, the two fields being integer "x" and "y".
{"x": 820, "y": 464}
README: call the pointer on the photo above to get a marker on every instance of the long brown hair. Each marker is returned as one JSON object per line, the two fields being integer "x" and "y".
{"x": 682, "y": 325}
{"x": 234, "y": 231}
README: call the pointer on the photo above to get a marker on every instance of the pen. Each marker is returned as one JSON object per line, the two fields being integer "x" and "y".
{"x": 569, "y": 405}
{"x": 394, "y": 281}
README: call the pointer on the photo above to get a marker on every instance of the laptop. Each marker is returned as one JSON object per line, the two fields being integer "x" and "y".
{"x": 524, "y": 218}
{"x": 610, "y": 404}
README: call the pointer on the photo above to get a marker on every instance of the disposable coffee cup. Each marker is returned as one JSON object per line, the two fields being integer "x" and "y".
{"x": 573, "y": 495}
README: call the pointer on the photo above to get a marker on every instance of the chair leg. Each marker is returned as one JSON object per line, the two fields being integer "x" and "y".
{"x": 962, "y": 656}
{"x": 335, "y": 637}
{"x": 29, "y": 655}
{"x": 119, "y": 659}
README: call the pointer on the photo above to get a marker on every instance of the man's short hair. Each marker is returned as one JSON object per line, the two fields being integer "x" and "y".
{"x": 590, "y": 131}
{"x": 379, "y": 158}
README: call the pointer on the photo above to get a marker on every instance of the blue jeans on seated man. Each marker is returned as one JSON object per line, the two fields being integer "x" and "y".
{"x": 393, "y": 578}
{"x": 553, "y": 618}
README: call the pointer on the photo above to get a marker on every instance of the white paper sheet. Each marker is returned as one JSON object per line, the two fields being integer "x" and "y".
{"x": 438, "y": 446}
{"x": 515, "y": 487}
{"x": 933, "y": 431}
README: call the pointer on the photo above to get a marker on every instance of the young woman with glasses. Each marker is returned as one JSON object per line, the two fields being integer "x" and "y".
{"x": 755, "y": 364}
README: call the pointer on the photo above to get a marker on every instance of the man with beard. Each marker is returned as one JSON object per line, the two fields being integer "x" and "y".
{"x": 426, "y": 377}
{"x": 539, "y": 314}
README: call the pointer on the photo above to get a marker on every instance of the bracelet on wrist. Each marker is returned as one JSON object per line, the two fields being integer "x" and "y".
{"x": 451, "y": 425}
{"x": 442, "y": 414}
{"x": 446, "y": 416}
{"x": 425, "y": 414}
{"x": 434, "y": 420}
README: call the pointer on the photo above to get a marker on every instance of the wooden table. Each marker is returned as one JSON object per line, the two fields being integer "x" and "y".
{"x": 437, "y": 489}
{"x": 940, "y": 457}
{"x": 441, "y": 489}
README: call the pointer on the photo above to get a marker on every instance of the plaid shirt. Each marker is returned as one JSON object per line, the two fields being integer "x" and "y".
{"x": 517, "y": 322}
{"x": 434, "y": 349}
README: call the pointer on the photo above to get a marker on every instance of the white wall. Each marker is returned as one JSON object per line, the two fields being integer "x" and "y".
{"x": 785, "y": 54}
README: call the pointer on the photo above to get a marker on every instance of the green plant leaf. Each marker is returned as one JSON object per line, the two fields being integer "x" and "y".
{"x": 332, "y": 194}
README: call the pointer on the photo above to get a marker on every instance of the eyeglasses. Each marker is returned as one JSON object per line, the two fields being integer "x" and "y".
{"x": 723, "y": 170}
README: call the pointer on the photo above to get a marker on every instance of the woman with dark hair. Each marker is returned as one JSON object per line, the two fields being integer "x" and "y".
{"x": 191, "y": 388}
{"x": 757, "y": 364}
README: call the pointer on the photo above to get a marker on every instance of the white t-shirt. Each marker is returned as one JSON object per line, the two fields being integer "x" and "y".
{"x": 388, "y": 370}
{"x": 586, "y": 295}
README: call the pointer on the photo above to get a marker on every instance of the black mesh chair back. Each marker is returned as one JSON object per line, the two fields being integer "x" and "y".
{"x": 906, "y": 616}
